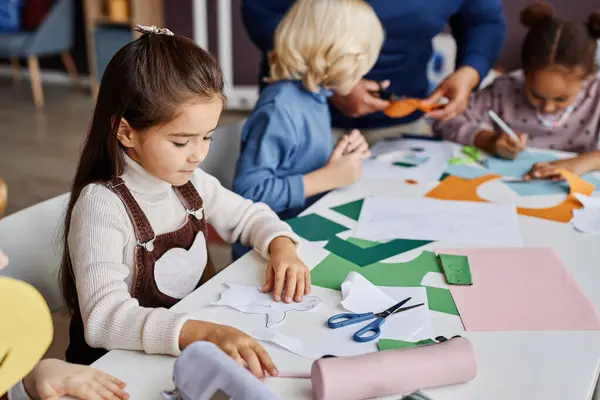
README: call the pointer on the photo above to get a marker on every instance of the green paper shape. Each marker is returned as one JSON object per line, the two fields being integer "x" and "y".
{"x": 441, "y": 300}
{"x": 472, "y": 152}
{"x": 392, "y": 344}
{"x": 350, "y": 210}
{"x": 444, "y": 176}
{"x": 331, "y": 272}
{"x": 456, "y": 269}
{"x": 375, "y": 253}
{"x": 460, "y": 161}
{"x": 404, "y": 164}
{"x": 314, "y": 227}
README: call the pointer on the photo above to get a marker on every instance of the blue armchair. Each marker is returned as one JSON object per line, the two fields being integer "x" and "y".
{"x": 53, "y": 36}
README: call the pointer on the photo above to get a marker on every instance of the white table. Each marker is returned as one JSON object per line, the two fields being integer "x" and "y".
{"x": 511, "y": 365}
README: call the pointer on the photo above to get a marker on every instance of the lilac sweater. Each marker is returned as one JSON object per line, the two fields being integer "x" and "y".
{"x": 506, "y": 96}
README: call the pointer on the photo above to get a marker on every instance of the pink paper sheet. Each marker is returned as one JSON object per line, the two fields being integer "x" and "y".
{"x": 521, "y": 289}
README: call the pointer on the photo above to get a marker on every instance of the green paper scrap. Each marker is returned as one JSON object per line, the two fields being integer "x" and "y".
{"x": 350, "y": 210}
{"x": 404, "y": 164}
{"x": 444, "y": 176}
{"x": 456, "y": 269}
{"x": 392, "y": 344}
{"x": 375, "y": 253}
{"x": 314, "y": 227}
{"x": 472, "y": 152}
{"x": 362, "y": 243}
{"x": 441, "y": 300}
{"x": 460, "y": 161}
{"x": 331, "y": 272}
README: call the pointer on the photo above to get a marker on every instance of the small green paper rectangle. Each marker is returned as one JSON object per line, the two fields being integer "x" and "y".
{"x": 391, "y": 344}
{"x": 456, "y": 269}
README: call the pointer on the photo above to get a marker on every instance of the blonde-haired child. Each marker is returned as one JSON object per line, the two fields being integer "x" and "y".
{"x": 288, "y": 157}
{"x": 326, "y": 43}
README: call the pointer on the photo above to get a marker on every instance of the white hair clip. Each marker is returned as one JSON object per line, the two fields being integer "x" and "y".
{"x": 153, "y": 29}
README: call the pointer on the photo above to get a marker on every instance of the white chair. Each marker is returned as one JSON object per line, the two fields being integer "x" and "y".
{"x": 224, "y": 152}
{"x": 31, "y": 238}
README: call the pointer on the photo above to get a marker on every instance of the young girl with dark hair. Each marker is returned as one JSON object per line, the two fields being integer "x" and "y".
{"x": 138, "y": 195}
{"x": 553, "y": 101}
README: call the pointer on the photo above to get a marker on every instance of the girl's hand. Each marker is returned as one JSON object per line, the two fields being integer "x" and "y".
{"x": 242, "y": 348}
{"x": 52, "y": 379}
{"x": 506, "y": 147}
{"x": 577, "y": 165}
{"x": 287, "y": 276}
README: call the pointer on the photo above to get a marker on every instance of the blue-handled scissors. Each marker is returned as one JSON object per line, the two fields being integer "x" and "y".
{"x": 362, "y": 335}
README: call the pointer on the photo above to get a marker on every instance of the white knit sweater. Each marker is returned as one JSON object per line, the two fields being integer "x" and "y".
{"x": 102, "y": 242}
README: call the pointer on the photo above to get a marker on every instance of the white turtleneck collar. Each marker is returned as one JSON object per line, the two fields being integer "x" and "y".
{"x": 139, "y": 180}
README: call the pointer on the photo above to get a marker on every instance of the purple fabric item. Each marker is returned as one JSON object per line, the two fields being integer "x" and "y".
{"x": 203, "y": 369}
{"x": 506, "y": 96}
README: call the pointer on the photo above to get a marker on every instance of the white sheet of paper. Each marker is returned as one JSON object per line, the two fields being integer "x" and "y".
{"x": 251, "y": 300}
{"x": 375, "y": 169}
{"x": 587, "y": 219}
{"x": 431, "y": 219}
{"x": 425, "y": 147}
{"x": 387, "y": 152}
{"x": 360, "y": 295}
{"x": 587, "y": 201}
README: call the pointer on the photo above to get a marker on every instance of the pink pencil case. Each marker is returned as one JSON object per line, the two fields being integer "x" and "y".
{"x": 394, "y": 372}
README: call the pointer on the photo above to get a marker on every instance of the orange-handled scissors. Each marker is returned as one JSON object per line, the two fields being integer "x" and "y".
{"x": 401, "y": 107}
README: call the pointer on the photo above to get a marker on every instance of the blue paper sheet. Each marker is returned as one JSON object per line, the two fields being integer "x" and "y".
{"x": 416, "y": 159}
{"x": 544, "y": 187}
{"x": 517, "y": 168}
{"x": 466, "y": 171}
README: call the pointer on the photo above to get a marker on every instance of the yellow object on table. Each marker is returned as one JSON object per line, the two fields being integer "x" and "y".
{"x": 26, "y": 331}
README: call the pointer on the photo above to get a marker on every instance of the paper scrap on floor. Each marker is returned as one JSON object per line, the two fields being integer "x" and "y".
{"x": 521, "y": 289}
{"x": 384, "y": 218}
{"x": 360, "y": 296}
{"x": 587, "y": 219}
{"x": 251, "y": 300}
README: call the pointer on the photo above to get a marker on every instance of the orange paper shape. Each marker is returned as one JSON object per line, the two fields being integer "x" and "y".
{"x": 459, "y": 189}
{"x": 404, "y": 107}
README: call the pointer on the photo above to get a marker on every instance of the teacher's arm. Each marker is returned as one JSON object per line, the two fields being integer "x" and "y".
{"x": 479, "y": 29}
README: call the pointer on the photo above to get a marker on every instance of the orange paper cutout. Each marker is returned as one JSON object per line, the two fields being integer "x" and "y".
{"x": 459, "y": 189}
{"x": 411, "y": 181}
{"x": 404, "y": 107}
